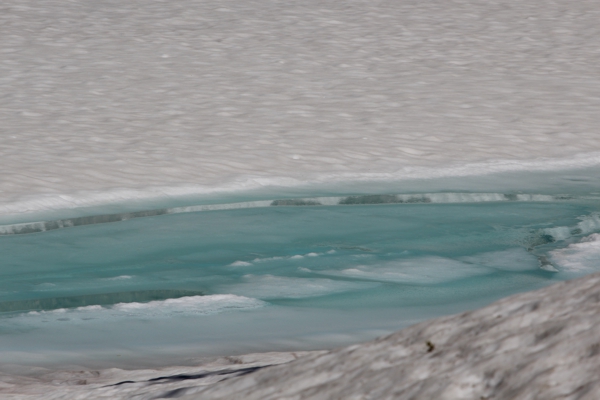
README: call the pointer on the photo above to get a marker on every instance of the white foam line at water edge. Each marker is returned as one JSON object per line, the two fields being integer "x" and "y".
{"x": 425, "y": 198}
{"x": 189, "y": 305}
{"x": 589, "y": 224}
{"x": 583, "y": 256}
{"x": 17, "y": 203}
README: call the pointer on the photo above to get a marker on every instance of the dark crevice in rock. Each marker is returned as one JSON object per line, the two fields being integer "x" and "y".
{"x": 229, "y": 373}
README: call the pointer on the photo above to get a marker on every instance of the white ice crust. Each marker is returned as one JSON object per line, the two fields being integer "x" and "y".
{"x": 580, "y": 257}
{"x": 108, "y": 101}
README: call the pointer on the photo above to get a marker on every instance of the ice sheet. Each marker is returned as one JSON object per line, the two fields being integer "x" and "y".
{"x": 107, "y": 101}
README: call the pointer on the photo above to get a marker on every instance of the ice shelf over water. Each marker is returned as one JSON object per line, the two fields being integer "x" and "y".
{"x": 443, "y": 198}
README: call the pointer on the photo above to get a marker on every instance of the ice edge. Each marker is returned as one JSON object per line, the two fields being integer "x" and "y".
{"x": 425, "y": 198}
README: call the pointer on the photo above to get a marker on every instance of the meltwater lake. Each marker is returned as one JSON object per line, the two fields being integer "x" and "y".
{"x": 296, "y": 272}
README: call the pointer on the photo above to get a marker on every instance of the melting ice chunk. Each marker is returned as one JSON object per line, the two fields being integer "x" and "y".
{"x": 240, "y": 264}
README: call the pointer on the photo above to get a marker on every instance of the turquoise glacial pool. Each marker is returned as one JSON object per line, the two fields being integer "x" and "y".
{"x": 288, "y": 274}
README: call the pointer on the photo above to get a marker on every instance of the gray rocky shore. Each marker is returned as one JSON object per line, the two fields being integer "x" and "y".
{"x": 538, "y": 345}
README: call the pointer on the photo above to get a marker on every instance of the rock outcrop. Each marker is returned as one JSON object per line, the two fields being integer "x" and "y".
{"x": 538, "y": 345}
{"x": 20, "y": 382}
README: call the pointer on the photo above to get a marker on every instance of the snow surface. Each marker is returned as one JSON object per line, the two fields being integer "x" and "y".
{"x": 106, "y": 100}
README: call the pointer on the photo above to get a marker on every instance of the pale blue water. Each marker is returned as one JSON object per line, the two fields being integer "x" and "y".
{"x": 276, "y": 277}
